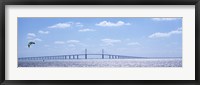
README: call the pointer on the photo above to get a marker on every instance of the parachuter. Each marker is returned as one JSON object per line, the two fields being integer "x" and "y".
{"x": 30, "y": 43}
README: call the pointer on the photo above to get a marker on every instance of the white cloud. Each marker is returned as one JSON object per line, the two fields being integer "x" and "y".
{"x": 165, "y": 34}
{"x": 34, "y": 39}
{"x": 31, "y": 35}
{"x": 71, "y": 45}
{"x": 109, "y": 24}
{"x": 37, "y": 39}
{"x": 73, "y": 41}
{"x": 180, "y": 29}
{"x": 79, "y": 24}
{"x": 86, "y": 30}
{"x": 165, "y": 19}
{"x": 28, "y": 37}
{"x": 66, "y": 25}
{"x": 133, "y": 43}
{"x": 110, "y": 42}
{"x": 59, "y": 42}
{"x": 43, "y": 32}
{"x": 61, "y": 25}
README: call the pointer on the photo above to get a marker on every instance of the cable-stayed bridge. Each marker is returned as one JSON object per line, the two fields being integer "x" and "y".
{"x": 79, "y": 56}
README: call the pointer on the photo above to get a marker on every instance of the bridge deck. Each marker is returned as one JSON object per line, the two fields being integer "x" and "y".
{"x": 77, "y": 56}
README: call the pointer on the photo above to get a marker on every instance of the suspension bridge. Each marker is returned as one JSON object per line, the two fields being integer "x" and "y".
{"x": 79, "y": 56}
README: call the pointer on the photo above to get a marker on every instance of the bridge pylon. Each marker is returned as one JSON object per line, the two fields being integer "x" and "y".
{"x": 102, "y": 53}
{"x": 85, "y": 53}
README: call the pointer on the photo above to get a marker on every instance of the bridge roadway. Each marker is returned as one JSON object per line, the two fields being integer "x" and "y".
{"x": 77, "y": 56}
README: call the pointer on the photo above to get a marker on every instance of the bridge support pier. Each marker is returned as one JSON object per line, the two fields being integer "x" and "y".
{"x": 102, "y": 54}
{"x": 85, "y": 53}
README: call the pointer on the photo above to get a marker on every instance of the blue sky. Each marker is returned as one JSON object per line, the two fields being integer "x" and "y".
{"x": 149, "y": 37}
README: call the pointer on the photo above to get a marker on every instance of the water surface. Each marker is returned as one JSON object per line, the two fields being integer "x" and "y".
{"x": 169, "y": 62}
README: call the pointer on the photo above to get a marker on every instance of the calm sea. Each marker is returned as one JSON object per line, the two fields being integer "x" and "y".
{"x": 152, "y": 62}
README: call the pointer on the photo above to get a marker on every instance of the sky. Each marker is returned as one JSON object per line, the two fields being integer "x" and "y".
{"x": 142, "y": 37}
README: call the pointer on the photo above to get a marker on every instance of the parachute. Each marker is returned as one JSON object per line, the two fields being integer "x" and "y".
{"x": 30, "y": 43}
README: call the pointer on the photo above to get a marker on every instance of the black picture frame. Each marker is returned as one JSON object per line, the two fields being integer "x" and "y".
{"x": 98, "y": 2}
